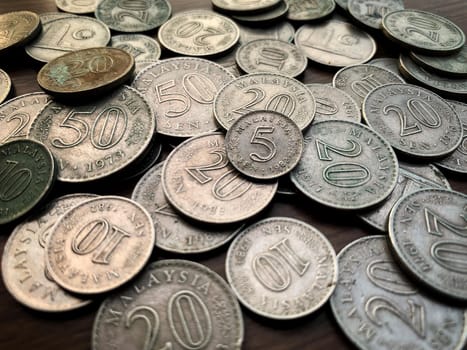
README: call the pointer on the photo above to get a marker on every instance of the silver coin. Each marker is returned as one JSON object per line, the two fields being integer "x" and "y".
{"x": 173, "y": 304}
{"x": 77, "y": 6}
{"x": 270, "y": 15}
{"x": 173, "y": 232}
{"x": 228, "y": 61}
{"x": 140, "y": 65}
{"x": 94, "y": 140}
{"x": 182, "y": 92}
{"x": 378, "y": 307}
{"x": 333, "y": 103}
{"x": 264, "y": 91}
{"x": 427, "y": 231}
{"x": 50, "y": 16}
{"x": 345, "y": 165}
{"x": 414, "y": 120}
{"x": 391, "y": 64}
{"x": 335, "y": 43}
{"x": 235, "y": 6}
{"x": 17, "y": 114}
{"x": 68, "y": 34}
{"x": 264, "y": 145}
{"x": 454, "y": 65}
{"x": 133, "y": 16}
{"x": 308, "y": 10}
{"x": 280, "y": 31}
{"x": 281, "y": 268}
{"x": 141, "y": 47}
{"x": 359, "y": 80}
{"x": 412, "y": 177}
{"x": 343, "y": 4}
{"x": 273, "y": 56}
{"x": 371, "y": 12}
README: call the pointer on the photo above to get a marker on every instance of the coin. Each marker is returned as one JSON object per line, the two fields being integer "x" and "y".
{"x": 87, "y": 72}
{"x": 198, "y": 33}
{"x": 181, "y": 91}
{"x": 77, "y": 6}
{"x": 23, "y": 260}
{"x": 18, "y": 28}
{"x": 414, "y": 120}
{"x": 97, "y": 139}
{"x": 173, "y": 232}
{"x": 281, "y": 31}
{"x": 423, "y": 32}
{"x": 264, "y": 144}
{"x": 343, "y": 4}
{"x": 133, "y": 15}
{"x": 278, "y": 11}
{"x": 68, "y": 34}
{"x": 264, "y": 91}
{"x": 441, "y": 84}
{"x": 141, "y": 65}
{"x": 244, "y": 6}
{"x": 378, "y": 307}
{"x": 199, "y": 181}
{"x": 391, "y": 64}
{"x": 308, "y": 10}
{"x": 5, "y": 85}
{"x": 335, "y": 43}
{"x": 345, "y": 165}
{"x": 281, "y": 268}
{"x": 453, "y": 65}
{"x": 427, "y": 229}
{"x": 271, "y": 55}
{"x": 411, "y": 178}
{"x": 359, "y": 80}
{"x": 17, "y": 114}
{"x": 141, "y": 47}
{"x": 333, "y": 103}
{"x": 50, "y": 16}
{"x": 99, "y": 244}
{"x": 228, "y": 61}
{"x": 27, "y": 172}
{"x": 371, "y": 12}
{"x": 183, "y": 304}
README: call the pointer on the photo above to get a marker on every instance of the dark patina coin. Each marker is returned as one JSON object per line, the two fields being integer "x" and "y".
{"x": 18, "y": 28}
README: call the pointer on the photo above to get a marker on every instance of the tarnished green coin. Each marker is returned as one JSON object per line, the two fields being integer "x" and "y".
{"x": 27, "y": 172}
{"x": 371, "y": 12}
{"x": 307, "y": 10}
{"x": 240, "y": 6}
{"x": 273, "y": 14}
{"x": 5, "y": 85}
{"x": 454, "y": 65}
{"x": 17, "y": 28}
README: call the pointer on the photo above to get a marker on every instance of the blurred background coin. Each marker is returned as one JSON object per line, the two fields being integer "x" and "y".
{"x": 5, "y": 85}
{"x": 18, "y": 28}
{"x": 141, "y": 47}
{"x": 77, "y": 6}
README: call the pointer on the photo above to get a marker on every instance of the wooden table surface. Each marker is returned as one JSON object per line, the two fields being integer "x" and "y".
{"x": 22, "y": 328}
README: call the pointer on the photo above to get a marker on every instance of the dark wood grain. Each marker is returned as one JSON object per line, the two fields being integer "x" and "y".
{"x": 21, "y": 328}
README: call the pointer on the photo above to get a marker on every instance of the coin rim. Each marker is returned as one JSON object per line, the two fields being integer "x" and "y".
{"x": 8, "y": 87}
{"x": 437, "y": 69}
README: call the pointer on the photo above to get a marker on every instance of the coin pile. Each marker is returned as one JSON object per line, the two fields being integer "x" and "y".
{"x": 236, "y": 126}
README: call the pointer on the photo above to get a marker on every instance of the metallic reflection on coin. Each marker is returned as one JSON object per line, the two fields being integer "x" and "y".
{"x": 281, "y": 268}
{"x": 23, "y": 261}
{"x": 454, "y": 65}
{"x": 18, "y": 28}
{"x": 173, "y": 232}
{"x": 308, "y": 10}
{"x": 234, "y": 6}
{"x": 228, "y": 61}
{"x": 50, "y": 16}
{"x": 5, "y": 85}
{"x": 172, "y": 304}
{"x": 371, "y": 12}
{"x": 378, "y": 307}
{"x": 345, "y": 165}
{"x": 77, "y": 6}
{"x": 141, "y": 47}
{"x": 199, "y": 181}
{"x": 414, "y": 120}
{"x": 389, "y": 63}
{"x": 280, "y": 31}
{"x": 140, "y": 65}
{"x": 99, "y": 244}
{"x": 427, "y": 230}
{"x": 335, "y": 43}
{"x": 268, "y": 16}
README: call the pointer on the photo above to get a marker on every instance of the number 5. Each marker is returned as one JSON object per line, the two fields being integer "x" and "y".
{"x": 259, "y": 139}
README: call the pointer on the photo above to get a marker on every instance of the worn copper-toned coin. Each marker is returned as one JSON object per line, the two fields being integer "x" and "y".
{"x": 23, "y": 262}
{"x": 50, "y": 16}
{"x": 234, "y": 6}
{"x": 87, "y": 72}
{"x": 264, "y": 144}
{"x": 198, "y": 33}
{"x": 457, "y": 161}
{"x": 454, "y": 65}
{"x": 414, "y": 120}
{"x": 264, "y": 91}
{"x": 427, "y": 230}
{"x": 335, "y": 43}
{"x": 423, "y": 32}
{"x": 173, "y": 232}
{"x": 18, "y": 28}
{"x": 281, "y": 268}
{"x": 378, "y": 307}
{"x": 141, "y": 47}
{"x": 97, "y": 139}
{"x": 389, "y": 63}
{"x": 360, "y": 79}
{"x": 371, "y": 12}
{"x": 77, "y": 6}
{"x": 412, "y": 177}
{"x": 278, "y": 11}
{"x": 133, "y": 16}
{"x": 27, "y": 172}
{"x": 99, "y": 244}
{"x": 271, "y": 55}
{"x": 182, "y": 91}
{"x": 17, "y": 114}
{"x": 280, "y": 31}
{"x": 199, "y": 181}
{"x": 68, "y": 34}
{"x": 441, "y": 84}
{"x": 5, "y": 85}
{"x": 345, "y": 165}
{"x": 307, "y": 10}
{"x": 184, "y": 305}
{"x": 333, "y": 103}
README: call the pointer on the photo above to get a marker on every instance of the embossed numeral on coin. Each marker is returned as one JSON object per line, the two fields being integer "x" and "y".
{"x": 60, "y": 36}
{"x": 363, "y": 86}
{"x": 136, "y": 9}
{"x": 273, "y": 57}
{"x": 190, "y": 29}
{"x": 23, "y": 120}
{"x": 258, "y": 139}
{"x": 13, "y": 181}
{"x": 282, "y": 103}
{"x": 423, "y": 26}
